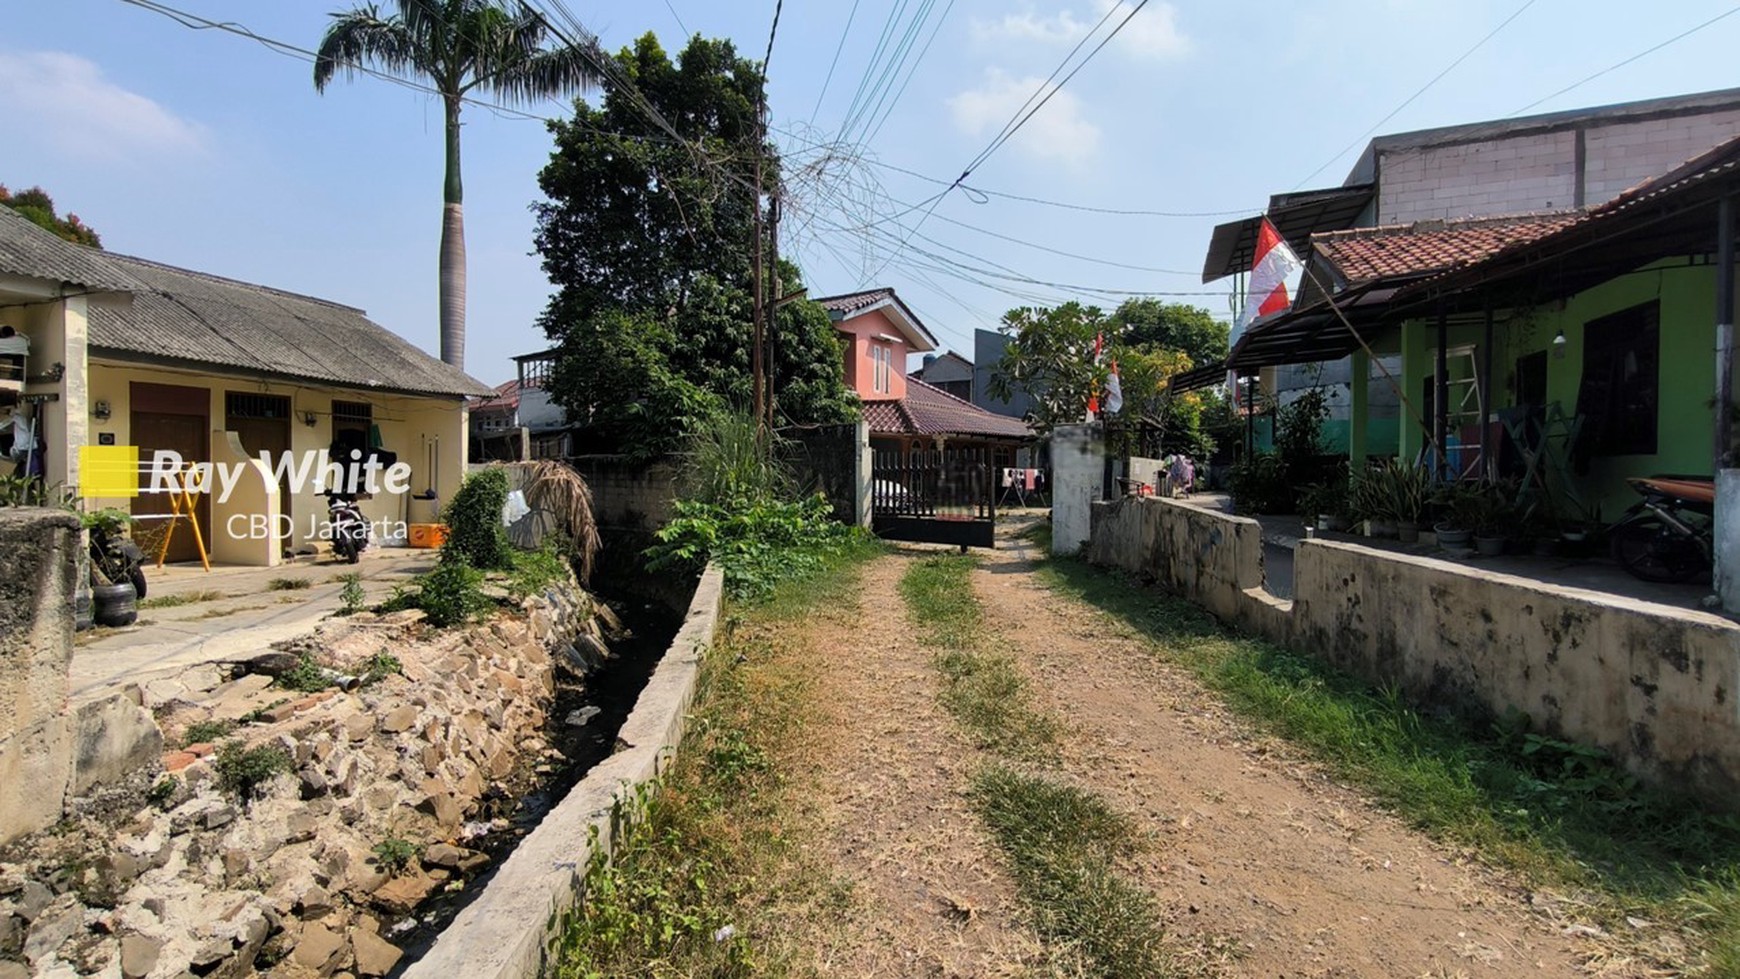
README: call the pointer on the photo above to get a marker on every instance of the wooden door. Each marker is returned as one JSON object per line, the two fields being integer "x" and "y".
{"x": 167, "y": 416}
{"x": 262, "y": 423}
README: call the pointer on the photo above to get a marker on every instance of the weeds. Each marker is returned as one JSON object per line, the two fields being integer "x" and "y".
{"x": 306, "y": 676}
{"x": 984, "y": 691}
{"x": 289, "y": 584}
{"x": 380, "y": 666}
{"x": 162, "y": 791}
{"x": 533, "y": 572}
{"x": 202, "y": 732}
{"x": 1559, "y": 812}
{"x": 395, "y": 854}
{"x": 352, "y": 599}
{"x": 185, "y": 598}
{"x": 243, "y": 771}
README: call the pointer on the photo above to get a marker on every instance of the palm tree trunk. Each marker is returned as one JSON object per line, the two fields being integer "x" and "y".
{"x": 453, "y": 249}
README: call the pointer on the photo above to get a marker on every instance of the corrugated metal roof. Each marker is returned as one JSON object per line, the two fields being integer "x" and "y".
{"x": 928, "y": 410}
{"x": 179, "y": 315}
{"x": 28, "y": 250}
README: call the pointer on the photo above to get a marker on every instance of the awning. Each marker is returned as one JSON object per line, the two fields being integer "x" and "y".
{"x": 1297, "y": 216}
{"x": 1197, "y": 378}
{"x": 1316, "y": 333}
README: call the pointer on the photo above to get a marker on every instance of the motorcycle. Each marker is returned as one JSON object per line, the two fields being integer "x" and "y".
{"x": 347, "y": 525}
{"x": 1669, "y": 535}
{"x": 114, "y": 557}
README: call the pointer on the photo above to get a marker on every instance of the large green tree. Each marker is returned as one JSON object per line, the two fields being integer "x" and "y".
{"x": 35, "y": 204}
{"x": 650, "y": 239}
{"x": 1155, "y": 325}
{"x": 1050, "y": 356}
{"x": 463, "y": 49}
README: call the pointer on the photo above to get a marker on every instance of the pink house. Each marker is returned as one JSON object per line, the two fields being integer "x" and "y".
{"x": 905, "y": 413}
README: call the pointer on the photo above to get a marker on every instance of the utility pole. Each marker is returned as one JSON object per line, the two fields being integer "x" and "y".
{"x": 772, "y": 311}
{"x": 756, "y": 365}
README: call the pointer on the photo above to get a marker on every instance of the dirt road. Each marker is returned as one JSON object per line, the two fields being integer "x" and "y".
{"x": 1253, "y": 848}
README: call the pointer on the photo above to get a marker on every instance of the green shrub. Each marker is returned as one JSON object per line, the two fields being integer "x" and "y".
{"x": 242, "y": 771}
{"x": 535, "y": 571}
{"x": 352, "y": 595}
{"x": 306, "y": 676}
{"x": 395, "y": 854}
{"x": 731, "y": 461}
{"x": 380, "y": 666}
{"x": 201, "y": 732}
{"x": 452, "y": 594}
{"x": 756, "y": 546}
{"x": 473, "y": 517}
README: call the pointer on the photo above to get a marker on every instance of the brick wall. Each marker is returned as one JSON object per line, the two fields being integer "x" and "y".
{"x": 1621, "y": 156}
{"x": 628, "y": 495}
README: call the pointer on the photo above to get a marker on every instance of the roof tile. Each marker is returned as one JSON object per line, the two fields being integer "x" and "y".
{"x": 928, "y": 410}
{"x": 1392, "y": 251}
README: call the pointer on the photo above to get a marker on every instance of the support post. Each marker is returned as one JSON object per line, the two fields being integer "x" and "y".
{"x": 1250, "y": 418}
{"x": 1724, "y": 329}
{"x": 1359, "y": 413}
{"x": 1488, "y": 464}
{"x": 1441, "y": 397}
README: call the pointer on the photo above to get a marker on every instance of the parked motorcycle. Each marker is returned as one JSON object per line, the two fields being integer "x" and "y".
{"x": 1669, "y": 534}
{"x": 115, "y": 559}
{"x": 347, "y": 525}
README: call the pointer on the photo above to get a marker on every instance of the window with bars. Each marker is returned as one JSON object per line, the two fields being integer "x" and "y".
{"x": 352, "y": 416}
{"x": 246, "y": 404}
{"x": 535, "y": 373}
{"x": 1621, "y": 384}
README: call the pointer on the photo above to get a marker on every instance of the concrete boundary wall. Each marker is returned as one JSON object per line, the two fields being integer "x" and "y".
{"x": 1657, "y": 687}
{"x": 507, "y": 932}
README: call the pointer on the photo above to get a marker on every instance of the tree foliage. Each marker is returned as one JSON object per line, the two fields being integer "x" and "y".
{"x": 1050, "y": 356}
{"x": 1191, "y": 330}
{"x": 35, "y": 205}
{"x": 650, "y": 242}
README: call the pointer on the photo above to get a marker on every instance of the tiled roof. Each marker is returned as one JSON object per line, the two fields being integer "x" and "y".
{"x": 507, "y": 396}
{"x": 928, "y": 410}
{"x": 28, "y": 250}
{"x": 183, "y": 316}
{"x": 851, "y": 304}
{"x": 1427, "y": 247}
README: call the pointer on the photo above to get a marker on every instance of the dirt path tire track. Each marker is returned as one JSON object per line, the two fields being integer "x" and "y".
{"x": 1252, "y": 842}
{"x": 930, "y": 897}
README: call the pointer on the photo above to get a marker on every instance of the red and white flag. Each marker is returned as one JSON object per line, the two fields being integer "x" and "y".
{"x": 1273, "y": 272}
{"x": 1094, "y": 393}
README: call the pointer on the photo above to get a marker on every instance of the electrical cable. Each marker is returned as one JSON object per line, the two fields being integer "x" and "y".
{"x": 834, "y": 63}
{"x": 1615, "y": 67}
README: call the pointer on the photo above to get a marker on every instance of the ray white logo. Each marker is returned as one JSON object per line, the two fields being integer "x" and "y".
{"x": 361, "y": 473}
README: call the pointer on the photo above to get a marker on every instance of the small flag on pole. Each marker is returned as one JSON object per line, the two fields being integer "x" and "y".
{"x": 1273, "y": 267}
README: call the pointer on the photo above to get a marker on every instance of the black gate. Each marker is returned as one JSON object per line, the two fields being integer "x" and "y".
{"x": 935, "y": 496}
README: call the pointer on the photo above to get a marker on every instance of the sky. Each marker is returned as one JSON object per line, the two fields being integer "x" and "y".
{"x": 206, "y": 150}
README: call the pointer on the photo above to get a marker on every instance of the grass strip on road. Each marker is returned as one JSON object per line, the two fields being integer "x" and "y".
{"x": 1563, "y": 815}
{"x": 1060, "y": 842}
{"x": 983, "y": 690}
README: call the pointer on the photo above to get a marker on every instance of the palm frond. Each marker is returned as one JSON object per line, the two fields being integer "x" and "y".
{"x": 558, "y": 493}
{"x": 363, "y": 38}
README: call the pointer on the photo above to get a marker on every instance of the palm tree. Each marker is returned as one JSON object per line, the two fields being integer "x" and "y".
{"x": 459, "y": 47}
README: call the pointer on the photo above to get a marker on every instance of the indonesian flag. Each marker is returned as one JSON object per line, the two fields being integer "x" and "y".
{"x": 1114, "y": 392}
{"x": 1094, "y": 395}
{"x": 1274, "y": 268}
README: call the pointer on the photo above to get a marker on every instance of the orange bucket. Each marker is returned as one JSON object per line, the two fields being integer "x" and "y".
{"x": 428, "y": 535}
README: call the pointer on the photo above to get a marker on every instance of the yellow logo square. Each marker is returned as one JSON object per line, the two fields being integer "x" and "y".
{"x": 108, "y": 470}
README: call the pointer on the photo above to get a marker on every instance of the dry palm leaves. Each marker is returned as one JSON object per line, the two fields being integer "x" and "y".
{"x": 561, "y": 502}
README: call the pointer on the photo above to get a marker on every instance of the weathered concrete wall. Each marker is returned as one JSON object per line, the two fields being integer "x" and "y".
{"x": 506, "y": 932}
{"x": 629, "y": 496}
{"x": 38, "y": 562}
{"x": 1078, "y": 460}
{"x": 1653, "y": 685}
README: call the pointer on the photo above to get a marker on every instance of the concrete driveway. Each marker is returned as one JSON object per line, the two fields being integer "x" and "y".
{"x": 226, "y": 613}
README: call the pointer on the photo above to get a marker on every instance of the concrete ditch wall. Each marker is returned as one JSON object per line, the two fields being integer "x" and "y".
{"x": 507, "y": 932}
{"x": 38, "y": 564}
{"x": 1655, "y": 686}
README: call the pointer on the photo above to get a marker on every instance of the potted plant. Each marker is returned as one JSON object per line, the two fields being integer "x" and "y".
{"x": 115, "y": 575}
{"x": 1457, "y": 505}
{"x": 1317, "y": 505}
{"x": 1492, "y": 519}
{"x": 1406, "y": 487}
{"x": 1369, "y": 501}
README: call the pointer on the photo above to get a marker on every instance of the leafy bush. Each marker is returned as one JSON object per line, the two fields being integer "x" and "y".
{"x": 473, "y": 517}
{"x": 731, "y": 460}
{"x": 204, "y": 732}
{"x": 352, "y": 595}
{"x": 756, "y": 546}
{"x": 243, "y": 771}
{"x": 380, "y": 666}
{"x": 395, "y": 854}
{"x": 1260, "y": 485}
{"x": 306, "y": 676}
{"x": 535, "y": 571}
{"x": 452, "y": 594}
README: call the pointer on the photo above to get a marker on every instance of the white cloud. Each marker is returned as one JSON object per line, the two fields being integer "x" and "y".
{"x": 64, "y": 101}
{"x": 1152, "y": 34}
{"x": 1058, "y": 131}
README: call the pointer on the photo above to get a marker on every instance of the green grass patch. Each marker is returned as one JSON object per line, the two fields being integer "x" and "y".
{"x": 307, "y": 676}
{"x": 1562, "y": 814}
{"x": 713, "y": 878}
{"x": 185, "y": 598}
{"x": 1062, "y": 845}
{"x": 289, "y": 584}
{"x": 984, "y": 691}
{"x": 202, "y": 732}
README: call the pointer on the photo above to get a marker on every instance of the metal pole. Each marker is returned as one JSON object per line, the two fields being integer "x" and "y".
{"x": 1724, "y": 329}
{"x": 1250, "y": 418}
{"x": 756, "y": 366}
{"x": 1441, "y": 395}
{"x": 1488, "y": 464}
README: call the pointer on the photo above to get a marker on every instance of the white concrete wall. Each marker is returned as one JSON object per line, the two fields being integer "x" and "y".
{"x": 1654, "y": 686}
{"x": 1078, "y": 465}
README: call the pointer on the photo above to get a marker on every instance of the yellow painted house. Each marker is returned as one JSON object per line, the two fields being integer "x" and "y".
{"x": 107, "y": 350}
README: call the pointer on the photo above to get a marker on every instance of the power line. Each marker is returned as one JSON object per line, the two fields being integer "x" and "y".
{"x": 934, "y": 31}
{"x": 1615, "y": 67}
{"x": 679, "y": 19}
{"x": 1418, "y": 92}
{"x": 835, "y": 63}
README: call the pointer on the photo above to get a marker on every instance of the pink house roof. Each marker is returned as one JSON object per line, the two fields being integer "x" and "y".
{"x": 928, "y": 410}
{"x": 850, "y": 304}
{"x": 506, "y": 397}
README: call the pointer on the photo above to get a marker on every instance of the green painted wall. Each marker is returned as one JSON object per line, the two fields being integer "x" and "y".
{"x": 1685, "y": 417}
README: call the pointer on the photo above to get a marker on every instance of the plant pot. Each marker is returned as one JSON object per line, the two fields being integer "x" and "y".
{"x": 1407, "y": 531}
{"x": 1489, "y": 546}
{"x": 1324, "y": 522}
{"x": 1451, "y": 537}
{"x": 1339, "y": 524}
{"x": 114, "y": 605}
{"x": 82, "y": 608}
{"x": 1383, "y": 528}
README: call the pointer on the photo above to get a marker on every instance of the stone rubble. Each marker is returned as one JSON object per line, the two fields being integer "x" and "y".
{"x": 200, "y": 882}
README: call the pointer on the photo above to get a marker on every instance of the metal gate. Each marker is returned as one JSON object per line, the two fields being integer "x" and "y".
{"x": 935, "y": 496}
